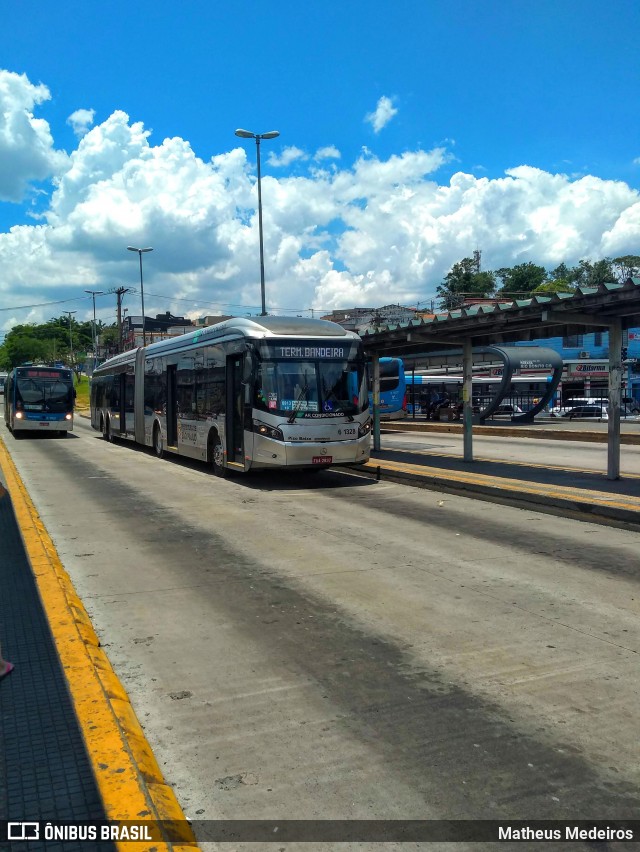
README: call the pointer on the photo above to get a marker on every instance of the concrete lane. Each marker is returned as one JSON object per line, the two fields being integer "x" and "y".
{"x": 333, "y": 647}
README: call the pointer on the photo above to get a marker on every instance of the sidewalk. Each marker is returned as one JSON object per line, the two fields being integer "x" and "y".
{"x": 73, "y": 748}
{"x": 45, "y": 772}
{"x": 583, "y": 494}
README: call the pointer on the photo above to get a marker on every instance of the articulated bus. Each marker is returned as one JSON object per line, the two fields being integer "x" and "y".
{"x": 393, "y": 389}
{"x": 39, "y": 399}
{"x": 244, "y": 394}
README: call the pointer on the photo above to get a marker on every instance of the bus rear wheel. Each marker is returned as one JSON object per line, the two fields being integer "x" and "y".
{"x": 217, "y": 456}
{"x": 158, "y": 443}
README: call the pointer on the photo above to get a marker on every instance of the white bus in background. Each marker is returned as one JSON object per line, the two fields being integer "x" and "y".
{"x": 245, "y": 394}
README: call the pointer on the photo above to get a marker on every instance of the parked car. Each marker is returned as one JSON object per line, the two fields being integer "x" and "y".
{"x": 569, "y": 404}
{"x": 598, "y": 411}
{"x": 632, "y": 404}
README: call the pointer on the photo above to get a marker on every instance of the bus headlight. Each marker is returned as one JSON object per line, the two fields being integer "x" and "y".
{"x": 364, "y": 429}
{"x": 267, "y": 431}
{"x": 68, "y": 417}
{"x": 19, "y": 415}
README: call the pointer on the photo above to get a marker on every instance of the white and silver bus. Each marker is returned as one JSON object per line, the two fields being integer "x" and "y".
{"x": 244, "y": 394}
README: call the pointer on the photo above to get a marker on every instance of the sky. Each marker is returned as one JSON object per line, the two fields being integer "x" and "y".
{"x": 412, "y": 133}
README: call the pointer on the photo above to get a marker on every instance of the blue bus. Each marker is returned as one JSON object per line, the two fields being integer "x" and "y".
{"x": 39, "y": 399}
{"x": 393, "y": 389}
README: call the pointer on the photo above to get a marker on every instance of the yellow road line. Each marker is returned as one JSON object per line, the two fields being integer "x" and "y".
{"x": 129, "y": 779}
{"x": 591, "y": 498}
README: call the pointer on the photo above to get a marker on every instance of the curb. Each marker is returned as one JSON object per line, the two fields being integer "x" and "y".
{"x": 129, "y": 780}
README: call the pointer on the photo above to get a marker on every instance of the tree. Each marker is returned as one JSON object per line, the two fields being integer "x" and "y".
{"x": 627, "y": 266}
{"x": 46, "y": 342}
{"x": 588, "y": 274}
{"x": 520, "y": 280}
{"x": 465, "y": 279}
{"x": 555, "y": 285}
{"x": 20, "y": 347}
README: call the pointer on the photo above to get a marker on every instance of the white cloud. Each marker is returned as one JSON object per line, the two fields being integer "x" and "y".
{"x": 369, "y": 233}
{"x": 382, "y": 114}
{"x": 330, "y": 152}
{"x": 26, "y": 146}
{"x": 289, "y": 155}
{"x": 81, "y": 120}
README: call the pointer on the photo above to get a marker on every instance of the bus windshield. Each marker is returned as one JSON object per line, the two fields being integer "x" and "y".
{"x": 311, "y": 388}
{"x": 43, "y": 390}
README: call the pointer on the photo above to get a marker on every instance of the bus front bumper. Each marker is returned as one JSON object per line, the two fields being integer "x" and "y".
{"x": 34, "y": 424}
{"x": 270, "y": 453}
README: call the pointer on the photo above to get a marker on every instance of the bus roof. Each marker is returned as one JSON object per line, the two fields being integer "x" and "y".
{"x": 256, "y": 327}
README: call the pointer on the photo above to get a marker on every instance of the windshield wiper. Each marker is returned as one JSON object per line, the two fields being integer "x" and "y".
{"x": 296, "y": 405}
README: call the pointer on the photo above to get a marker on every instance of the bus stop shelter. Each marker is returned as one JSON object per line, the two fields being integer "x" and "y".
{"x": 612, "y": 307}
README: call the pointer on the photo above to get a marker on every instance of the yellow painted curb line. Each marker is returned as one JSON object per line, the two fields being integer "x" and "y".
{"x": 590, "y": 498}
{"x": 129, "y": 780}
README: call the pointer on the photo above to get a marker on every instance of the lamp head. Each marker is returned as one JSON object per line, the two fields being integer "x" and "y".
{"x": 245, "y": 134}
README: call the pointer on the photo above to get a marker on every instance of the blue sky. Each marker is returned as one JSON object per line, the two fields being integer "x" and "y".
{"x": 412, "y": 133}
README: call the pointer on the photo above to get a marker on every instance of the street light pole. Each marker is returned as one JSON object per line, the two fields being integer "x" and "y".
{"x": 94, "y": 293}
{"x": 70, "y": 313}
{"x": 140, "y": 252}
{"x": 247, "y": 134}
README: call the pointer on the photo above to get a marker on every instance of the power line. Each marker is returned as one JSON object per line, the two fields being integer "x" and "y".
{"x": 43, "y": 304}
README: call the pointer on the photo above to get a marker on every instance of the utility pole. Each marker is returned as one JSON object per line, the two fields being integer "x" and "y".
{"x": 70, "y": 315}
{"x": 120, "y": 291}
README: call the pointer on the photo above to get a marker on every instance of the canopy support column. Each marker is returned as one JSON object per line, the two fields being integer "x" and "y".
{"x": 467, "y": 399}
{"x": 615, "y": 384}
{"x": 375, "y": 363}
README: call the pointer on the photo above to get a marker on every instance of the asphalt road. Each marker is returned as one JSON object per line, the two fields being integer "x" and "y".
{"x": 331, "y": 647}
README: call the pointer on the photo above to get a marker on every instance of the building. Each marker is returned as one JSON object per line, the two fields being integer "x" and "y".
{"x": 163, "y": 326}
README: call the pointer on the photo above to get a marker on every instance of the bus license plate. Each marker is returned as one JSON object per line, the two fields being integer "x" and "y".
{"x": 43, "y": 423}
{"x": 322, "y": 460}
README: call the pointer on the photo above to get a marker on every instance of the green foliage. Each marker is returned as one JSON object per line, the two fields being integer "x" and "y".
{"x": 465, "y": 279}
{"x": 47, "y": 342}
{"x": 627, "y": 266}
{"x": 555, "y": 285}
{"x": 521, "y": 280}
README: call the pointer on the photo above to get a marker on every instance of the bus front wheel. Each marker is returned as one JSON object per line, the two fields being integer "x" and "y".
{"x": 106, "y": 430}
{"x": 217, "y": 456}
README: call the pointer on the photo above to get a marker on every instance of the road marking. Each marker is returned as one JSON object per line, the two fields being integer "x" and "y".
{"x": 129, "y": 779}
{"x": 591, "y": 498}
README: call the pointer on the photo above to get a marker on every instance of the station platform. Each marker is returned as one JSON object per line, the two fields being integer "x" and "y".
{"x": 578, "y": 493}
{"x": 72, "y": 750}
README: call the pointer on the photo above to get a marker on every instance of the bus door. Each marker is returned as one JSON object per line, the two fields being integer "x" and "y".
{"x": 172, "y": 405}
{"x": 122, "y": 403}
{"x": 235, "y": 409}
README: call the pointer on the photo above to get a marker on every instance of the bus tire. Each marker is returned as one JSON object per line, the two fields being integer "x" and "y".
{"x": 216, "y": 455}
{"x": 106, "y": 430}
{"x": 158, "y": 443}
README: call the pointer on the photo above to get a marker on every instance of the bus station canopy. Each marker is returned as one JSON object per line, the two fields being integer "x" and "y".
{"x": 609, "y": 306}
{"x": 553, "y": 315}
